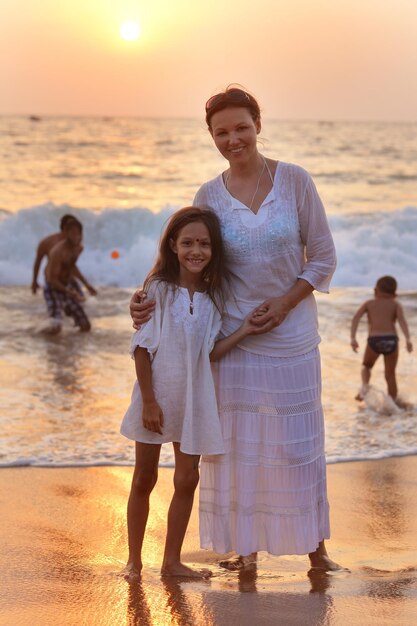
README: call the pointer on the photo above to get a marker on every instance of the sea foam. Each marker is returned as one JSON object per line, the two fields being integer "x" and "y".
{"x": 368, "y": 245}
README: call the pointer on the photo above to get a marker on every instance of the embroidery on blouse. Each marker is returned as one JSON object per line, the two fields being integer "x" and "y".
{"x": 278, "y": 235}
{"x": 196, "y": 321}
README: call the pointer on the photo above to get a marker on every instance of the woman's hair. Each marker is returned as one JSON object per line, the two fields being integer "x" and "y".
{"x": 387, "y": 284}
{"x": 232, "y": 97}
{"x": 167, "y": 267}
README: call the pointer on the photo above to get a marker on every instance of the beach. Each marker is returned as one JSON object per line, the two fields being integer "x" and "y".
{"x": 65, "y": 470}
{"x": 63, "y": 538}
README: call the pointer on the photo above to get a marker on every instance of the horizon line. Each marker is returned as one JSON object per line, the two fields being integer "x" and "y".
{"x": 321, "y": 120}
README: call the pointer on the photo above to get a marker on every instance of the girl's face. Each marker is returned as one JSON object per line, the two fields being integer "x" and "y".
{"x": 235, "y": 133}
{"x": 193, "y": 249}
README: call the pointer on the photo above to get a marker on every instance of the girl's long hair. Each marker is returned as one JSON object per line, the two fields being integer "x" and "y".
{"x": 167, "y": 267}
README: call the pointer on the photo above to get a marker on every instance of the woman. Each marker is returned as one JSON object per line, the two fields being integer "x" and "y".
{"x": 268, "y": 492}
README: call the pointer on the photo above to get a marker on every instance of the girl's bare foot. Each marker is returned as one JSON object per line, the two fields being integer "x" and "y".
{"x": 132, "y": 571}
{"x": 237, "y": 563}
{"x": 179, "y": 569}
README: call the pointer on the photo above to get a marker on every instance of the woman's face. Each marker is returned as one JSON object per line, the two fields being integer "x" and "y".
{"x": 235, "y": 133}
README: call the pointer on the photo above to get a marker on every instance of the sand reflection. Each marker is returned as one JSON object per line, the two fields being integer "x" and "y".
{"x": 171, "y": 601}
{"x": 256, "y": 596}
{"x": 180, "y": 608}
{"x": 138, "y": 611}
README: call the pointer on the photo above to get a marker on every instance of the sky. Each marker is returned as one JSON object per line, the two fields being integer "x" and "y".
{"x": 302, "y": 59}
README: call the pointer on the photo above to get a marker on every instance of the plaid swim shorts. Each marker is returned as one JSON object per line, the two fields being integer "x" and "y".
{"x": 58, "y": 302}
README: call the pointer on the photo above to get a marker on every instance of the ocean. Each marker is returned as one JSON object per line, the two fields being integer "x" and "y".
{"x": 63, "y": 398}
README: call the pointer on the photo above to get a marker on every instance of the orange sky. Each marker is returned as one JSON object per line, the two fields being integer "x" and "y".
{"x": 303, "y": 59}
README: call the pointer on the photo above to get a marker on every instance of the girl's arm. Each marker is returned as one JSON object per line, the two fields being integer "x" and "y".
{"x": 354, "y": 326}
{"x": 152, "y": 415}
{"x": 404, "y": 327}
{"x": 222, "y": 346}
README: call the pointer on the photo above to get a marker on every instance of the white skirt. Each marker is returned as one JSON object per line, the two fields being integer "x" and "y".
{"x": 268, "y": 492}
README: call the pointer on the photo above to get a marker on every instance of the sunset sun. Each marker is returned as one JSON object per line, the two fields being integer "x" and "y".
{"x": 130, "y": 31}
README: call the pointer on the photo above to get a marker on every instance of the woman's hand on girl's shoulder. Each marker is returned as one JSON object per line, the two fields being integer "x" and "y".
{"x": 141, "y": 308}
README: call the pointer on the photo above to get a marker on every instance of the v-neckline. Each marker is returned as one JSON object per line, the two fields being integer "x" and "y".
{"x": 242, "y": 204}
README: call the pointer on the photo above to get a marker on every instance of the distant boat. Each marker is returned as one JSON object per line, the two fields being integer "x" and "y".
{"x": 35, "y": 118}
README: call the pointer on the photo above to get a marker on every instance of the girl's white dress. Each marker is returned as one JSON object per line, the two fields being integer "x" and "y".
{"x": 268, "y": 492}
{"x": 179, "y": 337}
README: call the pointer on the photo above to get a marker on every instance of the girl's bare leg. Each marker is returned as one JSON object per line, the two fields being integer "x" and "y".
{"x": 143, "y": 481}
{"x": 186, "y": 479}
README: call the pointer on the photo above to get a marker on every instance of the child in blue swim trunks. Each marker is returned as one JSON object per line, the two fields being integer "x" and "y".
{"x": 383, "y": 312}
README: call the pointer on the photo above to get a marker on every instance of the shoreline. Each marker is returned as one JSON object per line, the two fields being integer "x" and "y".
{"x": 128, "y": 464}
{"x": 64, "y": 546}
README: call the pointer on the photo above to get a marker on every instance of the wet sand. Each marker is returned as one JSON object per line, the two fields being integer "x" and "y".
{"x": 63, "y": 538}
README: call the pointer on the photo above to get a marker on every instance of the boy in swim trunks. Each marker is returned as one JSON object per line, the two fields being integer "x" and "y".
{"x": 59, "y": 293}
{"x": 45, "y": 246}
{"x": 383, "y": 312}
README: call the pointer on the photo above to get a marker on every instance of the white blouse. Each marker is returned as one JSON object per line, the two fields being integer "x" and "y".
{"x": 179, "y": 338}
{"x": 288, "y": 238}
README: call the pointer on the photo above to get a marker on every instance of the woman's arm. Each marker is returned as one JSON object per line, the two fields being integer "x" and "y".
{"x": 141, "y": 309}
{"x": 320, "y": 253}
{"x": 152, "y": 415}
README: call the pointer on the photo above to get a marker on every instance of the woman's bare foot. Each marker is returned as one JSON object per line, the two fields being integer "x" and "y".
{"x": 179, "y": 569}
{"x": 132, "y": 571}
{"x": 237, "y": 563}
{"x": 324, "y": 563}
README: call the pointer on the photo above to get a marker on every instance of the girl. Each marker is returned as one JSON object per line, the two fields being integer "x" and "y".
{"x": 174, "y": 397}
